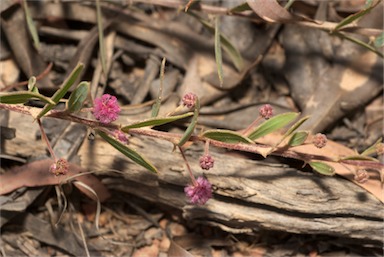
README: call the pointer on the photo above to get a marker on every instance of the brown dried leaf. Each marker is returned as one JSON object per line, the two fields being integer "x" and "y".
{"x": 271, "y": 11}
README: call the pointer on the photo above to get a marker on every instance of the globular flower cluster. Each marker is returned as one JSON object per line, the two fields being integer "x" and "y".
{"x": 199, "y": 193}
{"x": 266, "y": 111}
{"x": 60, "y": 167}
{"x": 189, "y": 100}
{"x": 206, "y": 162}
{"x": 121, "y": 136}
{"x": 361, "y": 176}
{"x": 319, "y": 140}
{"x": 106, "y": 109}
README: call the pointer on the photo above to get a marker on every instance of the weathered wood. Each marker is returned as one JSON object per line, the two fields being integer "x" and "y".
{"x": 249, "y": 195}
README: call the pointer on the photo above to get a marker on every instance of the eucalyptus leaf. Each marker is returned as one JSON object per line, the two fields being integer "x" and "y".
{"x": 218, "y": 55}
{"x": 188, "y": 132}
{"x": 298, "y": 138}
{"x": 226, "y": 136}
{"x": 273, "y": 124}
{"x": 78, "y": 96}
{"x": 60, "y": 93}
{"x": 322, "y": 168}
{"x": 156, "y": 121}
{"x": 21, "y": 97}
{"x": 127, "y": 151}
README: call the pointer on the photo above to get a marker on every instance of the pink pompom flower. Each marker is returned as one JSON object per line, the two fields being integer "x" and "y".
{"x": 106, "y": 109}
{"x": 199, "y": 193}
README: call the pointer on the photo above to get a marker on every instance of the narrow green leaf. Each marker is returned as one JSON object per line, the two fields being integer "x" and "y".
{"x": 31, "y": 26}
{"x": 379, "y": 41}
{"x": 60, "y": 93}
{"x": 32, "y": 85}
{"x": 353, "y": 17}
{"x": 241, "y": 8}
{"x": 360, "y": 158}
{"x": 372, "y": 149}
{"x": 218, "y": 56}
{"x": 156, "y": 121}
{"x": 293, "y": 128}
{"x": 273, "y": 124}
{"x": 22, "y": 97}
{"x": 226, "y": 136}
{"x": 78, "y": 96}
{"x": 228, "y": 47}
{"x": 298, "y": 138}
{"x": 130, "y": 153}
{"x": 322, "y": 168}
{"x": 156, "y": 106}
{"x": 101, "y": 37}
{"x": 188, "y": 132}
{"x": 360, "y": 43}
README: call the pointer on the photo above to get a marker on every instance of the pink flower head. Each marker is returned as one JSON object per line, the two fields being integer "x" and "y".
{"x": 361, "y": 176}
{"x": 199, "y": 193}
{"x": 266, "y": 111}
{"x": 319, "y": 140}
{"x": 60, "y": 167}
{"x": 206, "y": 161}
{"x": 121, "y": 136}
{"x": 106, "y": 108}
{"x": 189, "y": 100}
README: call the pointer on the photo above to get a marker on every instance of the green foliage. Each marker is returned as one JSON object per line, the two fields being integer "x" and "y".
{"x": 188, "y": 132}
{"x": 226, "y": 136}
{"x": 22, "y": 97}
{"x": 322, "y": 168}
{"x": 31, "y": 26}
{"x": 129, "y": 152}
{"x": 78, "y": 96}
{"x": 32, "y": 85}
{"x": 60, "y": 93}
{"x": 218, "y": 56}
{"x": 273, "y": 124}
{"x": 157, "y": 105}
{"x": 298, "y": 138}
{"x": 157, "y": 121}
{"x": 372, "y": 149}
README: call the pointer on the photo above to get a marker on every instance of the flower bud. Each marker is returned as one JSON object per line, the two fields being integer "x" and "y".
{"x": 206, "y": 161}
{"x": 60, "y": 167}
{"x": 266, "y": 111}
{"x": 361, "y": 176}
{"x": 189, "y": 100}
{"x": 319, "y": 140}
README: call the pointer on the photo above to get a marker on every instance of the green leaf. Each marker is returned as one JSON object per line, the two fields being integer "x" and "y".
{"x": 156, "y": 106}
{"x": 322, "y": 168}
{"x": 360, "y": 158}
{"x": 372, "y": 149}
{"x": 353, "y": 17}
{"x": 60, "y": 93}
{"x": 293, "y": 128}
{"x": 218, "y": 56}
{"x": 360, "y": 43}
{"x": 228, "y": 47}
{"x": 298, "y": 138}
{"x": 156, "y": 121}
{"x": 100, "y": 28}
{"x": 273, "y": 124}
{"x": 379, "y": 41}
{"x": 22, "y": 97}
{"x": 226, "y": 136}
{"x": 31, "y": 26}
{"x": 78, "y": 96}
{"x": 130, "y": 153}
{"x": 32, "y": 85}
{"x": 188, "y": 132}
{"x": 241, "y": 8}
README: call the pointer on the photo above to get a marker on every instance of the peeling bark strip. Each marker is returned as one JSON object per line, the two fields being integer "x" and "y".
{"x": 248, "y": 195}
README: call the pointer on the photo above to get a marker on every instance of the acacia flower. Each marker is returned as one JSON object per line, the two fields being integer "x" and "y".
{"x": 106, "y": 108}
{"x": 60, "y": 167}
{"x": 206, "y": 161}
{"x": 121, "y": 136}
{"x": 361, "y": 176}
{"x": 189, "y": 100}
{"x": 319, "y": 140}
{"x": 199, "y": 193}
{"x": 266, "y": 111}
